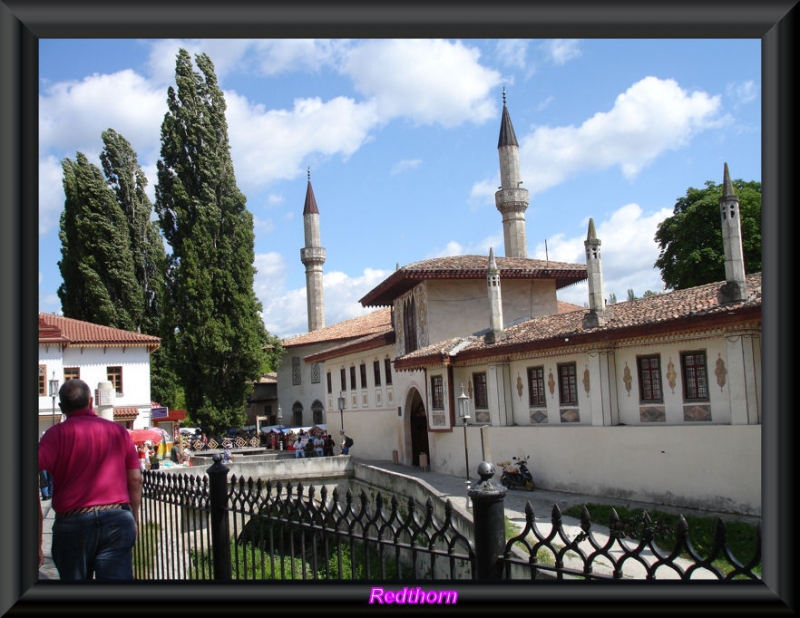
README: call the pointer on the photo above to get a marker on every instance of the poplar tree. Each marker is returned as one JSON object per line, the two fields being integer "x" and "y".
{"x": 216, "y": 332}
{"x": 99, "y": 284}
{"x": 125, "y": 177}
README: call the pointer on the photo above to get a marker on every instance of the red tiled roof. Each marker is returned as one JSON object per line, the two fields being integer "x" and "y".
{"x": 125, "y": 413}
{"x": 362, "y": 344}
{"x": 470, "y": 267}
{"x": 68, "y": 331}
{"x": 360, "y": 326}
{"x": 671, "y": 312}
{"x": 565, "y": 307}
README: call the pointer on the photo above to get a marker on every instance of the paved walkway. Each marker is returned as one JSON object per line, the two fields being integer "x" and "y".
{"x": 455, "y": 489}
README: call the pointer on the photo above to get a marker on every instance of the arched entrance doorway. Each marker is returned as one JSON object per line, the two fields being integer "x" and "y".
{"x": 419, "y": 428}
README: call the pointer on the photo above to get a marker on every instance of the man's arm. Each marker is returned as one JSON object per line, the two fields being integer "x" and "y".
{"x": 135, "y": 493}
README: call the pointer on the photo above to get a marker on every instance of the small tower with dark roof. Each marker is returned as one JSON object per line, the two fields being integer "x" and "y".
{"x": 495, "y": 300}
{"x": 313, "y": 257}
{"x": 511, "y": 199}
{"x": 594, "y": 271}
{"x": 735, "y": 287}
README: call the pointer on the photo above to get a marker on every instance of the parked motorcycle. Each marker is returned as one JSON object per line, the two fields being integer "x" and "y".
{"x": 516, "y": 474}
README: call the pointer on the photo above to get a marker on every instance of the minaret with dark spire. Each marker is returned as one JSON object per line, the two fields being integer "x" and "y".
{"x": 495, "y": 300}
{"x": 511, "y": 199}
{"x": 735, "y": 287}
{"x": 313, "y": 257}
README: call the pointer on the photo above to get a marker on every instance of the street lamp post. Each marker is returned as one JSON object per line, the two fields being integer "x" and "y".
{"x": 341, "y": 408}
{"x": 53, "y": 393}
{"x": 463, "y": 412}
{"x": 280, "y": 427}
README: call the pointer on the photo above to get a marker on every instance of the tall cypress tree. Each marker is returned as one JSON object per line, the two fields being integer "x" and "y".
{"x": 99, "y": 284}
{"x": 126, "y": 178}
{"x": 216, "y": 330}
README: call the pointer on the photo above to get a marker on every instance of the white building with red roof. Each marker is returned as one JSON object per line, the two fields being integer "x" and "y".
{"x": 70, "y": 348}
{"x": 656, "y": 399}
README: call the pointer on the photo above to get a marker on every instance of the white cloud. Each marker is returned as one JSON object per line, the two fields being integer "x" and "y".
{"x": 628, "y": 253}
{"x": 743, "y": 92}
{"x": 405, "y": 165}
{"x": 650, "y": 118}
{"x": 72, "y": 115}
{"x": 512, "y": 52}
{"x": 267, "y": 145}
{"x": 277, "y": 56}
{"x": 286, "y": 312}
{"x": 561, "y": 51}
{"x": 427, "y": 81}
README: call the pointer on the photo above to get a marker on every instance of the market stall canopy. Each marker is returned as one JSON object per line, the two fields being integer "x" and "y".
{"x": 140, "y": 436}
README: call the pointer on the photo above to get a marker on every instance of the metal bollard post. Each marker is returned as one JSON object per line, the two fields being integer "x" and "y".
{"x": 488, "y": 517}
{"x": 220, "y": 529}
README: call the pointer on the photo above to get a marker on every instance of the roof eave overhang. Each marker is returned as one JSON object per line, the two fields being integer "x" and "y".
{"x": 603, "y": 335}
{"x": 359, "y": 346}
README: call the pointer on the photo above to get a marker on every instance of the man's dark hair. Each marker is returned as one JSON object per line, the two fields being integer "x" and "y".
{"x": 74, "y": 395}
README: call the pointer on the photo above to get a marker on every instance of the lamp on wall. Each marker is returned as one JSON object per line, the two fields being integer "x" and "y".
{"x": 53, "y": 389}
{"x": 280, "y": 415}
{"x": 341, "y": 408}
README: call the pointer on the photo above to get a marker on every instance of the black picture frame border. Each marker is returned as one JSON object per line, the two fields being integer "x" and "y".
{"x": 24, "y": 22}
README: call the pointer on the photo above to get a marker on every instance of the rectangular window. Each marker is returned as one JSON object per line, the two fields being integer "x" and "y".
{"x": 481, "y": 395}
{"x": 343, "y": 379}
{"x": 387, "y": 366}
{"x": 115, "y": 377}
{"x": 316, "y": 373}
{"x": 567, "y": 384}
{"x": 353, "y": 378}
{"x": 376, "y": 369}
{"x": 650, "y": 379}
{"x": 695, "y": 376}
{"x": 42, "y": 380}
{"x": 536, "y": 386}
{"x": 72, "y": 373}
{"x": 296, "y": 375}
{"x": 437, "y": 393}
{"x": 363, "y": 371}
{"x": 330, "y": 382}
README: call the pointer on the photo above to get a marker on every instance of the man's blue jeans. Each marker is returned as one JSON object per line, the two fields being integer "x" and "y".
{"x": 98, "y": 545}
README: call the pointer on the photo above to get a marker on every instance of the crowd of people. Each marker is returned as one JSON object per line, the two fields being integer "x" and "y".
{"x": 309, "y": 444}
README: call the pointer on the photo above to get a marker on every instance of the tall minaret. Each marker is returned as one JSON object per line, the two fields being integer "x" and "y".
{"x": 594, "y": 272}
{"x": 735, "y": 287}
{"x": 313, "y": 257}
{"x": 511, "y": 199}
{"x": 495, "y": 300}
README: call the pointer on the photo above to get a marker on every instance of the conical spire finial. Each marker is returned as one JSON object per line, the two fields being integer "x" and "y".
{"x": 492, "y": 261}
{"x": 504, "y": 96}
{"x": 727, "y": 185}
{"x": 592, "y": 235}
{"x": 309, "y": 173}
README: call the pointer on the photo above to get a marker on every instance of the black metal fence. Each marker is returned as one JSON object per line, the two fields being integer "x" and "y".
{"x": 211, "y": 527}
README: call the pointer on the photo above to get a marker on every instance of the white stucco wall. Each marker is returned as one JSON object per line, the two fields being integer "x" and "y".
{"x": 452, "y": 310}
{"x": 715, "y": 467}
{"x": 135, "y": 363}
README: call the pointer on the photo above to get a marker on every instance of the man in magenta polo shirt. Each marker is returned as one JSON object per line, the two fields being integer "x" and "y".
{"x": 97, "y": 490}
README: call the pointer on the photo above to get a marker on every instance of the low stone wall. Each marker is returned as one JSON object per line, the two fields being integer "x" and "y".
{"x": 344, "y": 473}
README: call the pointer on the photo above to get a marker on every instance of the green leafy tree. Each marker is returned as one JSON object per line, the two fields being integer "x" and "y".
{"x": 99, "y": 284}
{"x": 126, "y": 178}
{"x": 690, "y": 241}
{"x": 216, "y": 333}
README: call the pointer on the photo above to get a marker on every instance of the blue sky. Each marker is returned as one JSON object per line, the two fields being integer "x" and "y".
{"x": 401, "y": 140}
